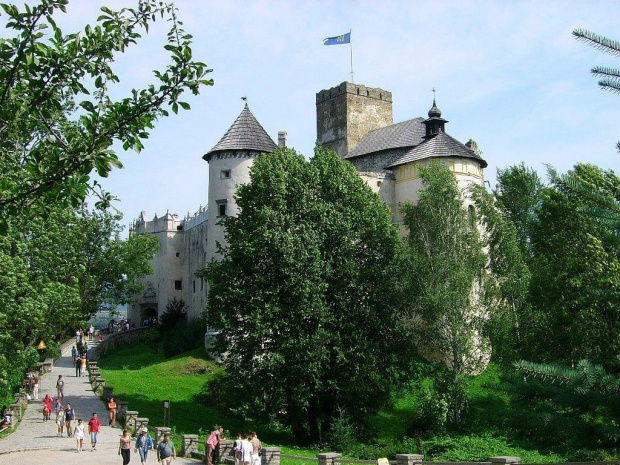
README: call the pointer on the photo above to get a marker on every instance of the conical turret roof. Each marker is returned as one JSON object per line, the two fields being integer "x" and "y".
{"x": 246, "y": 133}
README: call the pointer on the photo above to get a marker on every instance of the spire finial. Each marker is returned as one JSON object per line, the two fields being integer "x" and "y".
{"x": 244, "y": 98}
{"x": 434, "y": 111}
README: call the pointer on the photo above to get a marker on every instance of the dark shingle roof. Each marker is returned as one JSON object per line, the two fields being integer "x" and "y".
{"x": 406, "y": 134}
{"x": 246, "y": 133}
{"x": 442, "y": 145}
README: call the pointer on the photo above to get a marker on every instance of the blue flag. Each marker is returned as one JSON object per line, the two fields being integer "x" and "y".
{"x": 343, "y": 39}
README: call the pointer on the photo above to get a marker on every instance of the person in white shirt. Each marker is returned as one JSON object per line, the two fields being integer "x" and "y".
{"x": 246, "y": 451}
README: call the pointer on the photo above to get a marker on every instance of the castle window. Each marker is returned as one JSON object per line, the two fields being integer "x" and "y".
{"x": 178, "y": 285}
{"x": 225, "y": 174}
{"x": 178, "y": 254}
{"x": 221, "y": 207}
{"x": 180, "y": 227}
{"x": 201, "y": 283}
{"x": 194, "y": 284}
{"x": 471, "y": 216}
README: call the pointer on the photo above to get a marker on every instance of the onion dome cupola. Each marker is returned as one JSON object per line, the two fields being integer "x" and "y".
{"x": 435, "y": 123}
{"x": 245, "y": 135}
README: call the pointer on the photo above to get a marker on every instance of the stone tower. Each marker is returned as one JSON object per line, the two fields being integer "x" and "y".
{"x": 346, "y": 113}
{"x": 229, "y": 165}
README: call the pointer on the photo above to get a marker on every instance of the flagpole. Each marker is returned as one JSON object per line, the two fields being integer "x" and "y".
{"x": 351, "y": 44}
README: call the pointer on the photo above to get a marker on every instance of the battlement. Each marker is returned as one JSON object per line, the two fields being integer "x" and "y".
{"x": 354, "y": 89}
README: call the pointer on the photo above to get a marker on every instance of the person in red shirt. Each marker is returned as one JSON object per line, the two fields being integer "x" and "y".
{"x": 93, "y": 428}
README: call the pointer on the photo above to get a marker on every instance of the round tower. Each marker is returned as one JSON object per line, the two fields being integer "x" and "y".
{"x": 229, "y": 165}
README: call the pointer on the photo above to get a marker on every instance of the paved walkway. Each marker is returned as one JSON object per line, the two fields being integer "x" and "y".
{"x": 35, "y": 442}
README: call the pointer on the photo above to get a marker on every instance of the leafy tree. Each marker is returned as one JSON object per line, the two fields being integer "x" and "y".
{"x": 446, "y": 282}
{"x": 517, "y": 197}
{"x": 575, "y": 288}
{"x": 175, "y": 314}
{"x": 508, "y": 276}
{"x": 304, "y": 294}
{"x": 57, "y": 272}
{"x": 566, "y": 406}
{"x": 58, "y": 120}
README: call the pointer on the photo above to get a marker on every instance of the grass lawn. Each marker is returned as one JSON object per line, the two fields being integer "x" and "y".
{"x": 142, "y": 377}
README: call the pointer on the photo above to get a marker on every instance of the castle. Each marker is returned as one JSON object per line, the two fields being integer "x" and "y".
{"x": 354, "y": 120}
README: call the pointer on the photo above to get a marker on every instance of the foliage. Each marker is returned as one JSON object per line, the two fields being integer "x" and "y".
{"x": 174, "y": 315}
{"x": 609, "y": 78}
{"x": 445, "y": 280}
{"x": 517, "y": 198}
{"x": 58, "y": 120}
{"x": 575, "y": 288}
{"x": 57, "y": 272}
{"x": 183, "y": 337}
{"x": 507, "y": 272}
{"x": 567, "y": 406}
{"x": 304, "y": 293}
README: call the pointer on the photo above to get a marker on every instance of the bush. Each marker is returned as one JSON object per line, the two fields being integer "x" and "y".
{"x": 184, "y": 337}
{"x": 175, "y": 315}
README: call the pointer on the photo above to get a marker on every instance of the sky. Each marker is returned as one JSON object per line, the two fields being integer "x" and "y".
{"x": 507, "y": 74}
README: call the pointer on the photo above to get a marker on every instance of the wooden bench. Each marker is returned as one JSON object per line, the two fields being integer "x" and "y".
{"x": 141, "y": 422}
{"x": 48, "y": 365}
{"x": 130, "y": 418}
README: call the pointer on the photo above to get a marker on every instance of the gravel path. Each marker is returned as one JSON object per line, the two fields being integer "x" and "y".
{"x": 35, "y": 441}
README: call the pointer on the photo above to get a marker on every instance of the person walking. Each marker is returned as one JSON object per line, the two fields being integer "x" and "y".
{"x": 91, "y": 332}
{"x": 246, "y": 451}
{"x": 60, "y": 387}
{"x": 93, "y": 429}
{"x": 69, "y": 419}
{"x": 212, "y": 442}
{"x": 79, "y": 435}
{"x": 74, "y": 353}
{"x": 112, "y": 411}
{"x": 35, "y": 386}
{"x": 47, "y": 407}
{"x": 143, "y": 444}
{"x": 124, "y": 447}
{"x": 166, "y": 451}
{"x": 256, "y": 447}
{"x": 78, "y": 364}
{"x": 60, "y": 420}
{"x": 83, "y": 366}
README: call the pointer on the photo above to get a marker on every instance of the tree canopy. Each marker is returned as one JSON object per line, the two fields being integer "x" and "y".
{"x": 304, "y": 294}
{"x": 58, "y": 119}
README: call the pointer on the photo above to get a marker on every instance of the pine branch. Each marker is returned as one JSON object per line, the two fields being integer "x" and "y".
{"x": 598, "y": 42}
{"x": 604, "y": 71}
{"x": 610, "y": 84}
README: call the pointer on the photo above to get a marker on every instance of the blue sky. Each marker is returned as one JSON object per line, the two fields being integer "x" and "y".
{"x": 507, "y": 74}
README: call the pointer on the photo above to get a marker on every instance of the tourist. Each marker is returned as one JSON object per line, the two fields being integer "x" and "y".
{"x": 47, "y": 407}
{"x": 83, "y": 366}
{"x": 79, "y": 435}
{"x": 69, "y": 419}
{"x": 256, "y": 447}
{"x": 35, "y": 386}
{"x": 212, "y": 442}
{"x": 84, "y": 350}
{"x": 78, "y": 366}
{"x": 124, "y": 447}
{"x": 57, "y": 406}
{"x": 112, "y": 411}
{"x": 143, "y": 444}
{"x": 91, "y": 332}
{"x": 237, "y": 448}
{"x": 166, "y": 451}
{"x": 60, "y": 387}
{"x": 5, "y": 418}
{"x": 93, "y": 429}
{"x": 74, "y": 353}
{"x": 100, "y": 338}
{"x": 246, "y": 451}
{"x": 60, "y": 419}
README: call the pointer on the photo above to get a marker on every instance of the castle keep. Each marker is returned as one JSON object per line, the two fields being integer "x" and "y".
{"x": 354, "y": 120}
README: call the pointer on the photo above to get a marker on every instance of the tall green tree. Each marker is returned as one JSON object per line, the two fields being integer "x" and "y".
{"x": 446, "y": 283}
{"x": 508, "y": 275}
{"x": 575, "y": 287}
{"x": 304, "y": 294}
{"x": 57, "y": 272}
{"x": 517, "y": 196}
{"x": 58, "y": 117}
